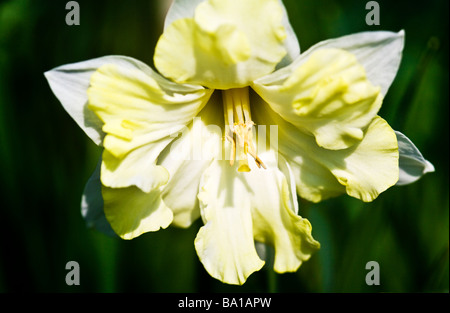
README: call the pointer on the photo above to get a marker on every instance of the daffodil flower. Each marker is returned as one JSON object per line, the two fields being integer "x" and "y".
{"x": 236, "y": 65}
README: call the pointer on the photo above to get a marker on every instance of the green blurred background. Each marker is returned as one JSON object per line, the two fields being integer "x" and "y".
{"x": 45, "y": 160}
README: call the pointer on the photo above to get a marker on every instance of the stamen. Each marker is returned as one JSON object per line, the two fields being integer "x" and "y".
{"x": 233, "y": 148}
{"x": 236, "y": 106}
{"x": 245, "y": 104}
{"x": 228, "y": 108}
{"x": 237, "y": 102}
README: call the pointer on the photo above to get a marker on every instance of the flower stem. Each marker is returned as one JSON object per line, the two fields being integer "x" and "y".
{"x": 272, "y": 281}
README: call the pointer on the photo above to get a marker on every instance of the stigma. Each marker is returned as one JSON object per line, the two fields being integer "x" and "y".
{"x": 236, "y": 107}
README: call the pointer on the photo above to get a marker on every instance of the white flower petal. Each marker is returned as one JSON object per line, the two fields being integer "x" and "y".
{"x": 182, "y": 31}
{"x": 126, "y": 212}
{"x": 187, "y": 157}
{"x": 379, "y": 52}
{"x": 411, "y": 162}
{"x": 137, "y": 168}
{"x": 186, "y": 9}
{"x": 225, "y": 45}
{"x": 328, "y": 96}
{"x": 365, "y": 170}
{"x": 275, "y": 220}
{"x": 70, "y": 82}
{"x": 181, "y": 9}
{"x": 239, "y": 207}
{"x": 140, "y": 113}
{"x": 132, "y": 212}
{"x": 291, "y": 43}
{"x": 225, "y": 243}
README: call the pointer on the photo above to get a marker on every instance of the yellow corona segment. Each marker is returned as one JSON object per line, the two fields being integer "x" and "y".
{"x": 221, "y": 46}
{"x": 239, "y": 124}
{"x": 328, "y": 96}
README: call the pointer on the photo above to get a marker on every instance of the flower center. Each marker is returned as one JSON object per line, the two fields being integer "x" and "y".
{"x": 236, "y": 107}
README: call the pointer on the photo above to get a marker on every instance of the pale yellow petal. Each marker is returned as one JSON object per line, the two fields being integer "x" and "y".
{"x": 225, "y": 243}
{"x": 140, "y": 112}
{"x": 134, "y": 168}
{"x": 275, "y": 221}
{"x": 241, "y": 207}
{"x": 372, "y": 166}
{"x": 187, "y": 157}
{"x": 225, "y": 45}
{"x": 132, "y": 212}
{"x": 363, "y": 171}
{"x": 314, "y": 181}
{"x": 328, "y": 96}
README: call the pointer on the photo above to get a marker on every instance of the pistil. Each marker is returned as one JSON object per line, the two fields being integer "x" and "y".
{"x": 236, "y": 106}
